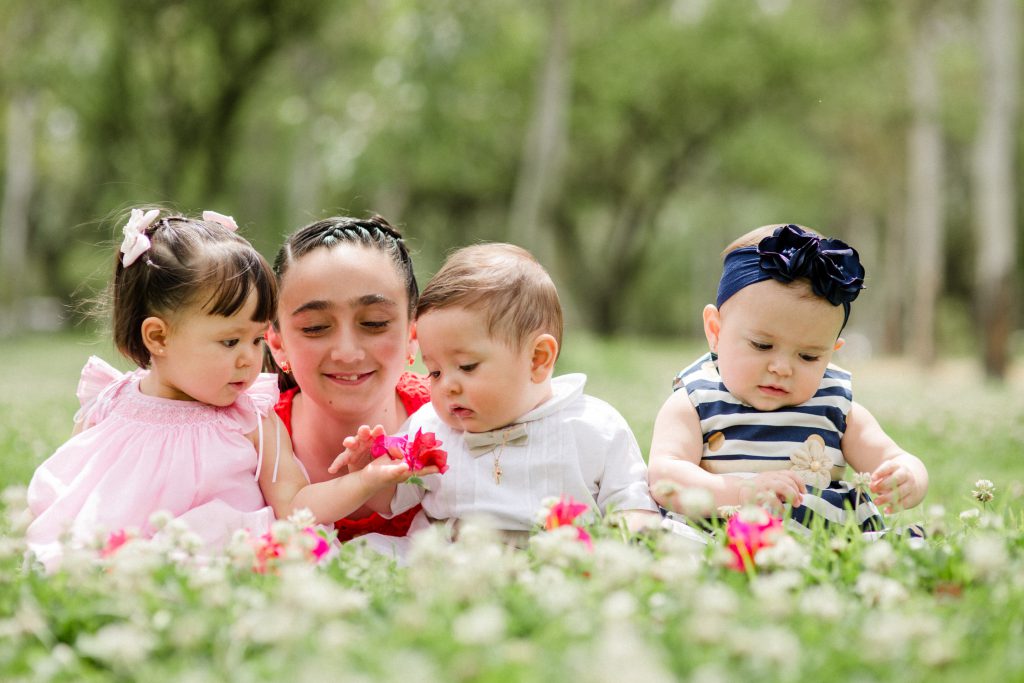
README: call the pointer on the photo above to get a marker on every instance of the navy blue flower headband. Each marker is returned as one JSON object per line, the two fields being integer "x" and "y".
{"x": 832, "y": 266}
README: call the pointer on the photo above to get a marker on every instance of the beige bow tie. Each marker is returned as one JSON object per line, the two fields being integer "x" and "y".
{"x": 480, "y": 443}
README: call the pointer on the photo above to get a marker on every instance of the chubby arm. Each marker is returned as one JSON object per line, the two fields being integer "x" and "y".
{"x": 897, "y": 478}
{"x": 676, "y": 449}
{"x": 328, "y": 500}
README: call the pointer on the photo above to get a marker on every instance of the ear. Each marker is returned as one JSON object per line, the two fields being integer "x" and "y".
{"x": 276, "y": 345}
{"x": 712, "y": 326}
{"x": 542, "y": 358}
{"x": 413, "y": 344}
{"x": 154, "y": 335}
{"x": 840, "y": 342}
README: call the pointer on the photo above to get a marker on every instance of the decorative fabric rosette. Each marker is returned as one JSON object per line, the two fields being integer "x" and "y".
{"x": 811, "y": 462}
{"x": 832, "y": 266}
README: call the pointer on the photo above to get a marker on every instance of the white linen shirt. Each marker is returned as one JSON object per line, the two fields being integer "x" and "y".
{"x": 577, "y": 445}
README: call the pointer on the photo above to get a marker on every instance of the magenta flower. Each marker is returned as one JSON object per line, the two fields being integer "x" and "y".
{"x": 423, "y": 451}
{"x": 747, "y": 532}
{"x": 565, "y": 513}
{"x": 321, "y": 548}
{"x": 115, "y": 540}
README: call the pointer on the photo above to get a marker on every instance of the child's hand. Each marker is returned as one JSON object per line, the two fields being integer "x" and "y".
{"x": 893, "y": 483}
{"x": 357, "y": 453}
{"x": 779, "y": 486}
{"x": 385, "y": 471}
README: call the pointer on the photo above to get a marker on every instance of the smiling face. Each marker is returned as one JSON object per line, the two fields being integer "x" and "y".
{"x": 478, "y": 383}
{"x": 201, "y": 357}
{"x": 344, "y": 328}
{"x": 773, "y": 342}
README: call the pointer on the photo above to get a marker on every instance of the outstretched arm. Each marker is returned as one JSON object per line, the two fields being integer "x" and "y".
{"x": 899, "y": 479}
{"x": 329, "y": 500}
{"x": 676, "y": 449}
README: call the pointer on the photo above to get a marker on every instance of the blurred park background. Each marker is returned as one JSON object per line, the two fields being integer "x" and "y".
{"x": 625, "y": 142}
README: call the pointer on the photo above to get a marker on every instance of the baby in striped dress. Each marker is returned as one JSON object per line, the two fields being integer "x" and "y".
{"x": 764, "y": 417}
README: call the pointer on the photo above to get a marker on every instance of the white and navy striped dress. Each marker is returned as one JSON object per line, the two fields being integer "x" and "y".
{"x": 740, "y": 440}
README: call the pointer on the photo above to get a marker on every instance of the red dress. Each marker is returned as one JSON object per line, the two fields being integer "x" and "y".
{"x": 414, "y": 391}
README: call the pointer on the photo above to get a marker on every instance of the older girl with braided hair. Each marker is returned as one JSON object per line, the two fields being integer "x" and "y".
{"x": 342, "y": 343}
{"x": 764, "y": 417}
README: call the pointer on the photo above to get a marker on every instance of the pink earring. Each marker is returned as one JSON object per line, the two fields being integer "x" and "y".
{"x": 285, "y": 367}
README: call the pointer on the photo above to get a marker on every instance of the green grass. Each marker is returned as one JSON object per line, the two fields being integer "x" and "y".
{"x": 828, "y": 605}
{"x": 961, "y": 427}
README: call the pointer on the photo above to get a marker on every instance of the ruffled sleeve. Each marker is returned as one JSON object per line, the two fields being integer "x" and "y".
{"x": 254, "y": 404}
{"x": 97, "y": 384}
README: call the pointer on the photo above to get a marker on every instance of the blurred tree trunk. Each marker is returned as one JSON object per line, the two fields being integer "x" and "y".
{"x": 994, "y": 183}
{"x": 925, "y": 208}
{"x": 540, "y": 174}
{"x": 14, "y": 222}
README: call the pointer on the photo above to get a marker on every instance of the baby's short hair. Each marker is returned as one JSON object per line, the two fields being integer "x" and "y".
{"x": 754, "y": 237}
{"x": 504, "y": 281}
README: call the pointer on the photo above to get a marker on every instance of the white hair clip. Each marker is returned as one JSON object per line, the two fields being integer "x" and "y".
{"x": 227, "y": 221}
{"x": 135, "y": 242}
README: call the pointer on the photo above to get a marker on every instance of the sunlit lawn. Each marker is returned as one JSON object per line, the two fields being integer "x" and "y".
{"x": 963, "y": 428}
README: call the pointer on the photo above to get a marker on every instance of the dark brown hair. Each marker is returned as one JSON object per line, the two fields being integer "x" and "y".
{"x": 190, "y": 262}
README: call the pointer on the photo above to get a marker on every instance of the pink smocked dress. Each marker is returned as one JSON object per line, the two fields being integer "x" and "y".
{"x": 139, "y": 454}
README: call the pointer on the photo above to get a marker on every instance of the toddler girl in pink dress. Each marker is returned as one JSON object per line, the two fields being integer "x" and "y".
{"x": 190, "y": 430}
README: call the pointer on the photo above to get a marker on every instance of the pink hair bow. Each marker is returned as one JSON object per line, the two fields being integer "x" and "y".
{"x": 135, "y": 242}
{"x": 227, "y": 221}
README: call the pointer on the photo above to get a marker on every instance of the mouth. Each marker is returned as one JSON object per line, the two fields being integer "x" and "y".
{"x": 460, "y": 412}
{"x": 772, "y": 390}
{"x": 238, "y": 386}
{"x": 348, "y": 378}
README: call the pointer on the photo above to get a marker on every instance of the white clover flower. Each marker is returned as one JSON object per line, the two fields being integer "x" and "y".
{"x": 811, "y": 463}
{"x": 823, "y": 601}
{"x": 861, "y": 481}
{"x": 886, "y": 636}
{"x": 618, "y": 606}
{"x": 970, "y": 516}
{"x": 986, "y": 555}
{"x": 160, "y": 519}
{"x": 15, "y": 497}
{"x": 621, "y": 653}
{"x": 988, "y": 520}
{"x": 774, "y": 592}
{"x": 483, "y": 624}
{"x": 787, "y": 553}
{"x": 984, "y": 491}
{"x": 879, "y": 557}
{"x": 878, "y": 590}
{"x": 716, "y": 598}
{"x": 753, "y": 514}
{"x": 302, "y": 518}
{"x": 282, "y": 530}
{"x": 727, "y": 511}
{"x": 773, "y": 648}
{"x": 696, "y": 502}
{"x": 941, "y": 650}
{"x": 120, "y": 644}
{"x": 617, "y": 563}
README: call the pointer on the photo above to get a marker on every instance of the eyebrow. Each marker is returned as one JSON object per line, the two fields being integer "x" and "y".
{"x": 373, "y": 299}
{"x": 315, "y": 305}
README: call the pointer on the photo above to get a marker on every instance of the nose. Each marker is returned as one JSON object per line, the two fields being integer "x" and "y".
{"x": 347, "y": 348}
{"x": 780, "y": 365}
{"x": 251, "y": 355}
{"x": 450, "y": 385}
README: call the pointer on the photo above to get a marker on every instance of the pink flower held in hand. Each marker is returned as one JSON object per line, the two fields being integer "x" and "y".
{"x": 423, "y": 451}
{"x": 383, "y": 444}
{"x": 748, "y": 531}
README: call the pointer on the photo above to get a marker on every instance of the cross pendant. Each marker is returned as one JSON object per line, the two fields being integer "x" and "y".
{"x": 497, "y": 472}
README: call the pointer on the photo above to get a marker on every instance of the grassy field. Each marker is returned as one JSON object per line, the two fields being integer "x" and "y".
{"x": 963, "y": 428}
{"x": 654, "y": 608}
